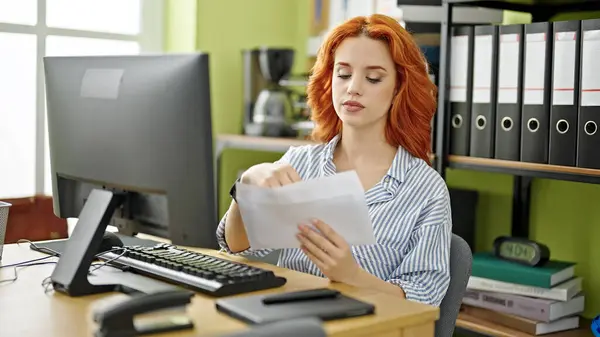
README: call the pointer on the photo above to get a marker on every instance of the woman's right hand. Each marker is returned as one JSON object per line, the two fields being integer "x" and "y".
{"x": 270, "y": 175}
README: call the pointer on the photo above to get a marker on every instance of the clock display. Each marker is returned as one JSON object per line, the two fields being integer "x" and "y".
{"x": 521, "y": 250}
{"x": 516, "y": 250}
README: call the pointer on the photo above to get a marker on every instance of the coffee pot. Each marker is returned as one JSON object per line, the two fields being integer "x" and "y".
{"x": 273, "y": 110}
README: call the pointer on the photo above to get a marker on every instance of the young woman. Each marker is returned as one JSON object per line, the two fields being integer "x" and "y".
{"x": 372, "y": 103}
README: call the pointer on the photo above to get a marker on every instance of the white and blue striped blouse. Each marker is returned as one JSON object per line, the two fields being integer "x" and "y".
{"x": 411, "y": 216}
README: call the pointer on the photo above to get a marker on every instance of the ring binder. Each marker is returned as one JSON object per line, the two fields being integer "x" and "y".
{"x": 483, "y": 111}
{"x": 461, "y": 93}
{"x": 536, "y": 92}
{"x": 510, "y": 95}
{"x": 563, "y": 139}
{"x": 588, "y": 139}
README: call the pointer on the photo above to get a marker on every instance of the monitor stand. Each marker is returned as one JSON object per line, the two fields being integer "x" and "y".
{"x": 71, "y": 273}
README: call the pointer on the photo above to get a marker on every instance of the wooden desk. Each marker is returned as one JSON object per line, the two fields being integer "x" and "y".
{"x": 25, "y": 310}
{"x": 268, "y": 144}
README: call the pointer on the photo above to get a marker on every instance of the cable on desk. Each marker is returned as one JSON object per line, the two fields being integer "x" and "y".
{"x": 46, "y": 282}
{"x": 24, "y": 262}
{"x": 100, "y": 265}
{"x": 22, "y": 265}
{"x": 28, "y": 261}
{"x": 45, "y": 250}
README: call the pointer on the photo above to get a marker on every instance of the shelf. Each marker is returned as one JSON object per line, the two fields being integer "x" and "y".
{"x": 472, "y": 326}
{"x": 273, "y": 144}
{"x": 435, "y": 14}
{"x": 293, "y": 83}
{"x": 419, "y": 2}
{"x": 535, "y": 7}
{"x": 534, "y": 170}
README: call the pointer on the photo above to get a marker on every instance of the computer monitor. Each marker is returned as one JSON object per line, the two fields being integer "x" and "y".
{"x": 138, "y": 125}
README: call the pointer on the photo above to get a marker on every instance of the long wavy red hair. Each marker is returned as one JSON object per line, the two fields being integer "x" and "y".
{"x": 412, "y": 109}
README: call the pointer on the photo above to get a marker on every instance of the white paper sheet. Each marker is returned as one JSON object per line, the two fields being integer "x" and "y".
{"x": 272, "y": 215}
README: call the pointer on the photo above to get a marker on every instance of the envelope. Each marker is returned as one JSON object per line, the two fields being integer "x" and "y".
{"x": 271, "y": 215}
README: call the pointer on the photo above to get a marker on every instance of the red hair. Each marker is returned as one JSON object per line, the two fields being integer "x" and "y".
{"x": 412, "y": 109}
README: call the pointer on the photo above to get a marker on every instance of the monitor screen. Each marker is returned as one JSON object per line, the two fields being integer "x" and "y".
{"x": 137, "y": 124}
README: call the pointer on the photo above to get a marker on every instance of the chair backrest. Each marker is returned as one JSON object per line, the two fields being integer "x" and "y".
{"x": 461, "y": 259}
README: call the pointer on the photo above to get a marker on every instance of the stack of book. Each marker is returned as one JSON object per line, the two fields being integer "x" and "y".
{"x": 533, "y": 300}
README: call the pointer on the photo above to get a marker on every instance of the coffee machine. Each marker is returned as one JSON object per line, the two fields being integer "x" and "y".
{"x": 268, "y": 107}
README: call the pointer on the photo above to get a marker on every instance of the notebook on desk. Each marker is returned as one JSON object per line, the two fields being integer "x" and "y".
{"x": 252, "y": 309}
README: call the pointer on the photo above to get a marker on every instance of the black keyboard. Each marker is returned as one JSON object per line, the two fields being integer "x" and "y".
{"x": 199, "y": 272}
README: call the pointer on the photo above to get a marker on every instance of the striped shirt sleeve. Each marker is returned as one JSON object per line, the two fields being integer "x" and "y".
{"x": 286, "y": 158}
{"x": 424, "y": 274}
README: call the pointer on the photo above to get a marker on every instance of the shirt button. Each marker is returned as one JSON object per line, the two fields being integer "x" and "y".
{"x": 387, "y": 179}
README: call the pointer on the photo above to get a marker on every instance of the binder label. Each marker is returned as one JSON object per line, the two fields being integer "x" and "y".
{"x": 564, "y": 68}
{"x": 535, "y": 59}
{"x": 508, "y": 68}
{"x": 482, "y": 71}
{"x": 459, "y": 63}
{"x": 590, "y": 68}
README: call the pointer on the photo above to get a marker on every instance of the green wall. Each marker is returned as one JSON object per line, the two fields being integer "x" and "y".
{"x": 224, "y": 29}
{"x": 563, "y": 215}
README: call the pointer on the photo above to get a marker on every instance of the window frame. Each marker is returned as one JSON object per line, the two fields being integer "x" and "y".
{"x": 151, "y": 40}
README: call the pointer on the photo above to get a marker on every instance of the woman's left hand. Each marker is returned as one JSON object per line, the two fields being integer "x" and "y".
{"x": 328, "y": 251}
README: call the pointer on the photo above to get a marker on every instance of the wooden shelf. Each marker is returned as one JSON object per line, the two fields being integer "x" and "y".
{"x": 244, "y": 142}
{"x": 276, "y": 144}
{"x": 534, "y": 170}
{"x": 479, "y": 326}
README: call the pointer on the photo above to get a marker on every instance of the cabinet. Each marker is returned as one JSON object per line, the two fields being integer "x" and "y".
{"x": 540, "y": 10}
{"x": 523, "y": 172}
{"x": 33, "y": 219}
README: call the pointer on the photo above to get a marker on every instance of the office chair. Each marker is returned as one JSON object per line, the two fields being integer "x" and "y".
{"x": 461, "y": 259}
{"x": 299, "y": 327}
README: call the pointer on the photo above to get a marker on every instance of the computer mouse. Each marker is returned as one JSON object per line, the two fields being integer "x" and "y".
{"x": 109, "y": 241}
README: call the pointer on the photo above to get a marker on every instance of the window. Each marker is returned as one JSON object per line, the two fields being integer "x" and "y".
{"x": 72, "y": 46}
{"x": 109, "y": 16}
{"x": 22, "y": 12}
{"x": 17, "y": 113}
{"x": 32, "y": 29}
